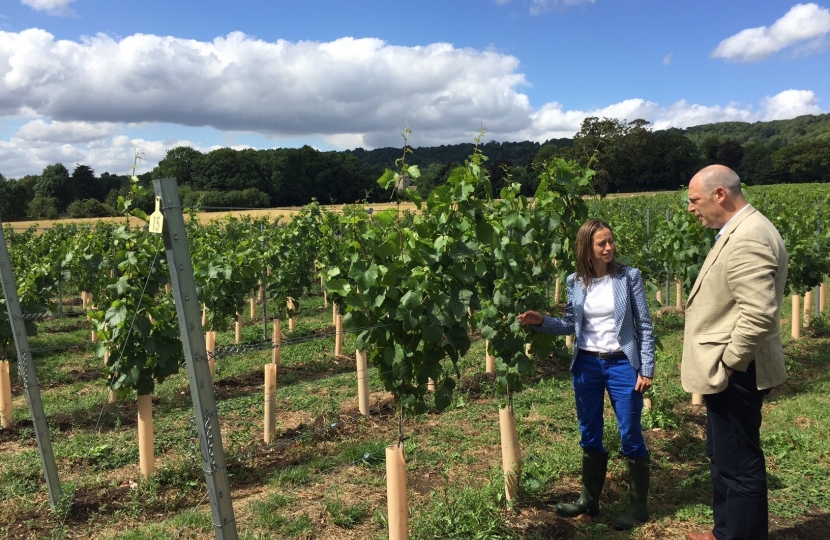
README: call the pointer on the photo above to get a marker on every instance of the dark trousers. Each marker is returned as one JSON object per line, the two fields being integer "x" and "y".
{"x": 738, "y": 469}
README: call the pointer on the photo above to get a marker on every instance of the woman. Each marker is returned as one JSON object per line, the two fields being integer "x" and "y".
{"x": 614, "y": 351}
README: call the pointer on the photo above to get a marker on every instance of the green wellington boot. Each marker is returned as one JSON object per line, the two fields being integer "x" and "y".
{"x": 594, "y": 467}
{"x": 639, "y": 469}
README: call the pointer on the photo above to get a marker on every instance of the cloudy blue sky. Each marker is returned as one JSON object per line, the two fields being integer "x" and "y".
{"x": 89, "y": 81}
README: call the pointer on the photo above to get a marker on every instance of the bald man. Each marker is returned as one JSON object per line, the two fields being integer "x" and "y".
{"x": 732, "y": 347}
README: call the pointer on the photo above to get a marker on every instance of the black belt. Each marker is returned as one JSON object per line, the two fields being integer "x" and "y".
{"x": 619, "y": 355}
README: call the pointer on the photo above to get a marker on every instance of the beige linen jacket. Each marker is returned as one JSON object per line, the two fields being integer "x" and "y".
{"x": 733, "y": 309}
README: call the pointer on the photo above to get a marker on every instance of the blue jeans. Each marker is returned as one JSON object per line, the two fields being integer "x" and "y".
{"x": 591, "y": 377}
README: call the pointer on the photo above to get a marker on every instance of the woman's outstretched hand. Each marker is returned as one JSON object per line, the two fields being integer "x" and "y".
{"x": 531, "y": 317}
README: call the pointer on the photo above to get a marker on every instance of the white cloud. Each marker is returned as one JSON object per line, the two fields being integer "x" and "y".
{"x": 240, "y": 83}
{"x": 113, "y": 154}
{"x": 538, "y": 7}
{"x": 552, "y": 121}
{"x": 667, "y": 59}
{"x": 53, "y": 7}
{"x": 789, "y": 104}
{"x": 683, "y": 114}
{"x": 83, "y": 99}
{"x": 814, "y": 46}
{"x": 801, "y": 23}
{"x": 348, "y": 140}
{"x": 68, "y": 132}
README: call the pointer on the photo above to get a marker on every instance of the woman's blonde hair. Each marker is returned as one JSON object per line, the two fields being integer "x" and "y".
{"x": 584, "y": 251}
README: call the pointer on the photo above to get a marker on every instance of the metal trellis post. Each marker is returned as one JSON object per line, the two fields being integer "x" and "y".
{"x": 27, "y": 372}
{"x": 817, "y": 289}
{"x": 196, "y": 359}
{"x": 264, "y": 289}
{"x": 668, "y": 274}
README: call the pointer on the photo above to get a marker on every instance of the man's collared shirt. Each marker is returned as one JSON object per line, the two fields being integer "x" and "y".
{"x": 717, "y": 236}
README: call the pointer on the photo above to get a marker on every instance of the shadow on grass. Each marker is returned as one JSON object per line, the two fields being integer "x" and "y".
{"x": 287, "y": 376}
{"x": 307, "y": 444}
{"x": 123, "y": 413}
{"x": 810, "y": 527}
{"x": 808, "y": 361}
{"x": 538, "y": 520}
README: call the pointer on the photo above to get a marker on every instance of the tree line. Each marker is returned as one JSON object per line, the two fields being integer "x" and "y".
{"x": 628, "y": 156}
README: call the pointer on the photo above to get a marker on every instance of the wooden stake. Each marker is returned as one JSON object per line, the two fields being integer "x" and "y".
{"x": 253, "y": 304}
{"x": 647, "y": 403}
{"x": 276, "y": 337}
{"x": 83, "y": 299}
{"x": 210, "y": 345}
{"x": 334, "y": 314}
{"x": 511, "y": 458}
{"x": 822, "y": 297}
{"x": 362, "y": 382}
{"x": 238, "y": 329}
{"x": 557, "y": 290}
{"x": 796, "y": 332}
{"x": 396, "y": 496}
{"x": 489, "y": 359}
{"x": 808, "y": 308}
{"x": 95, "y": 336}
{"x": 204, "y": 316}
{"x": 679, "y": 298}
{"x": 291, "y": 307}
{"x": 697, "y": 399}
{"x": 261, "y": 292}
{"x": 6, "y": 410}
{"x": 430, "y": 385}
{"x": 569, "y": 341}
{"x": 325, "y": 293}
{"x": 146, "y": 457}
{"x": 660, "y": 297}
{"x": 112, "y": 397}
{"x": 269, "y": 424}
{"x": 338, "y": 337}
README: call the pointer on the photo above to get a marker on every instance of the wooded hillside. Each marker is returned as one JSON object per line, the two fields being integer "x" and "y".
{"x": 628, "y": 156}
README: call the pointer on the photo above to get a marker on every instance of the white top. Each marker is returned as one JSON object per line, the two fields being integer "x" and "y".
{"x": 717, "y": 236}
{"x": 598, "y": 326}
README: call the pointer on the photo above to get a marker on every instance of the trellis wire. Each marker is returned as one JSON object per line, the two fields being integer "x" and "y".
{"x": 366, "y": 458}
{"x": 44, "y": 315}
{"x": 275, "y": 444}
{"x": 82, "y": 469}
{"x": 233, "y": 350}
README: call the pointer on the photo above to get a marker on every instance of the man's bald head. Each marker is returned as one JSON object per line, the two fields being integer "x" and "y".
{"x": 715, "y": 196}
{"x": 715, "y": 176}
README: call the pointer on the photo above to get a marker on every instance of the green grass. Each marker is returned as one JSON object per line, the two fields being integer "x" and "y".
{"x": 291, "y": 476}
{"x": 463, "y": 512}
{"x": 267, "y": 512}
{"x": 319, "y": 483}
{"x": 344, "y": 515}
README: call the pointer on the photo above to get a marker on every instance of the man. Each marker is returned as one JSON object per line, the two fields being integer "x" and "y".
{"x": 732, "y": 348}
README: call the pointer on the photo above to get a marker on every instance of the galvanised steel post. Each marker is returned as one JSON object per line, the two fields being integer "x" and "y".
{"x": 196, "y": 359}
{"x": 27, "y": 373}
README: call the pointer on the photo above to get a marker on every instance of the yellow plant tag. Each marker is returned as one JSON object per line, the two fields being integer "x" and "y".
{"x": 156, "y": 218}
